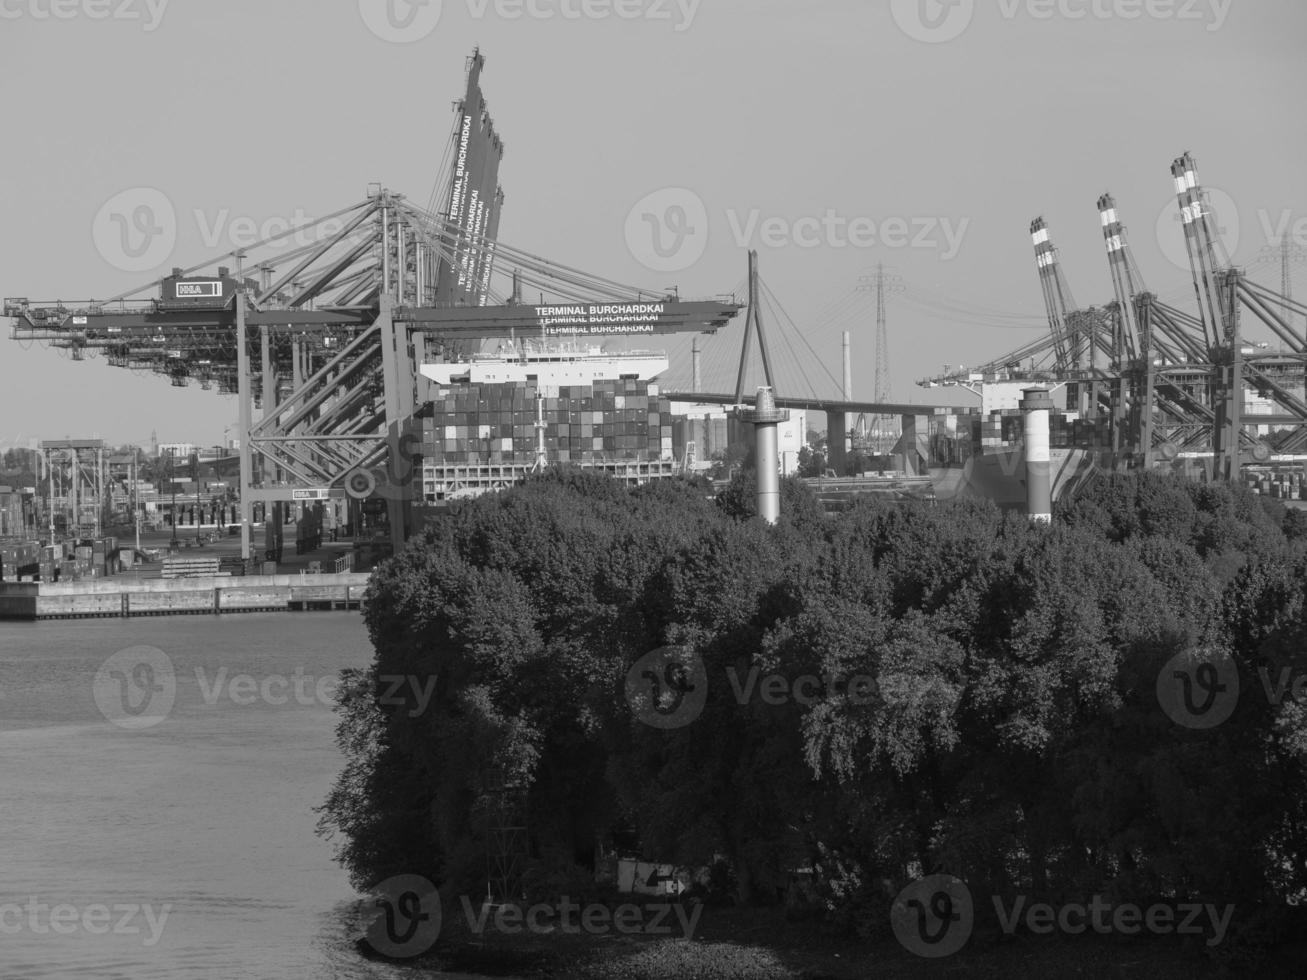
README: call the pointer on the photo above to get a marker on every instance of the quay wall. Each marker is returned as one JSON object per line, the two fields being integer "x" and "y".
{"x": 121, "y": 596}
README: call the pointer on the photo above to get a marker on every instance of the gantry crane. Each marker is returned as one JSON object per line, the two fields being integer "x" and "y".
{"x": 331, "y": 347}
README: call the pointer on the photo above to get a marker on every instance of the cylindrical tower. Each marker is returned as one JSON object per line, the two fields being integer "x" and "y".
{"x": 1039, "y": 488}
{"x": 765, "y": 416}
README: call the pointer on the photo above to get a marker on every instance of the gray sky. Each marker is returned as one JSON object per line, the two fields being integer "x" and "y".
{"x": 829, "y": 135}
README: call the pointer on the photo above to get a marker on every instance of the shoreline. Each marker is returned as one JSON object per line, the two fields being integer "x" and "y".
{"x": 121, "y": 597}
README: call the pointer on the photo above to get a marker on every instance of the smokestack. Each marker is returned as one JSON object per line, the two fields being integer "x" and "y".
{"x": 765, "y": 416}
{"x": 1039, "y": 491}
{"x": 848, "y": 370}
{"x": 696, "y": 382}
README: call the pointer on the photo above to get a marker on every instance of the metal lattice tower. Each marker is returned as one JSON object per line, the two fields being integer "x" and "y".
{"x": 883, "y": 284}
{"x": 507, "y": 843}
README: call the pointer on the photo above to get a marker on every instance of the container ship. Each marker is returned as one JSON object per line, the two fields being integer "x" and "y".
{"x": 494, "y": 419}
{"x": 983, "y": 455}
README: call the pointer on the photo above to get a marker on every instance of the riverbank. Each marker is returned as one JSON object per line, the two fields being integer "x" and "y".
{"x": 754, "y": 944}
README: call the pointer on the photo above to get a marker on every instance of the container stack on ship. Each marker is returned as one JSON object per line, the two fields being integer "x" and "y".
{"x": 497, "y": 418}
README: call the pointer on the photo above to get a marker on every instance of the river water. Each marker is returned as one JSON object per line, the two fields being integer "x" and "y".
{"x": 177, "y": 841}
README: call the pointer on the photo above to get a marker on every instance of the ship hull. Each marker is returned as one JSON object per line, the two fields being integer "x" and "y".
{"x": 1000, "y": 475}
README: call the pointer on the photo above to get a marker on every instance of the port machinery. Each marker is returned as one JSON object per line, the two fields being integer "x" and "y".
{"x": 326, "y": 338}
{"x": 1168, "y": 382}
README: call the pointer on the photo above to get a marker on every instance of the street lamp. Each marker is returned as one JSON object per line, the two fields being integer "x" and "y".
{"x": 196, "y": 475}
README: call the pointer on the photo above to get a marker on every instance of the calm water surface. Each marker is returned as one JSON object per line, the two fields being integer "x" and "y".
{"x": 195, "y": 833}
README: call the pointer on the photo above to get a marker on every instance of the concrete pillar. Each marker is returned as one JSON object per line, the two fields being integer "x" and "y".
{"x": 836, "y": 433}
{"x": 696, "y": 377}
{"x": 1039, "y": 490}
{"x": 914, "y": 444}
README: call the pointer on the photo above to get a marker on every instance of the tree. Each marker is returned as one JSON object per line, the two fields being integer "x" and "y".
{"x": 980, "y": 693}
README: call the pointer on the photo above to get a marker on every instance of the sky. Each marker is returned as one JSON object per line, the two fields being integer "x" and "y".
{"x": 653, "y": 142}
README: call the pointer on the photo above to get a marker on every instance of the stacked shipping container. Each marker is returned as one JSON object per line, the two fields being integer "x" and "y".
{"x": 1005, "y": 430}
{"x": 67, "y": 561}
{"x": 496, "y": 423}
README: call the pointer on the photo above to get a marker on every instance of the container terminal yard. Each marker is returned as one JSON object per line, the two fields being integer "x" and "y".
{"x": 393, "y": 365}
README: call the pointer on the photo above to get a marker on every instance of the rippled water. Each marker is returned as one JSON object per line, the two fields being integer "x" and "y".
{"x": 185, "y": 848}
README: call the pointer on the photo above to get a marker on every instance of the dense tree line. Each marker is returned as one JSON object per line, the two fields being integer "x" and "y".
{"x": 1012, "y": 737}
